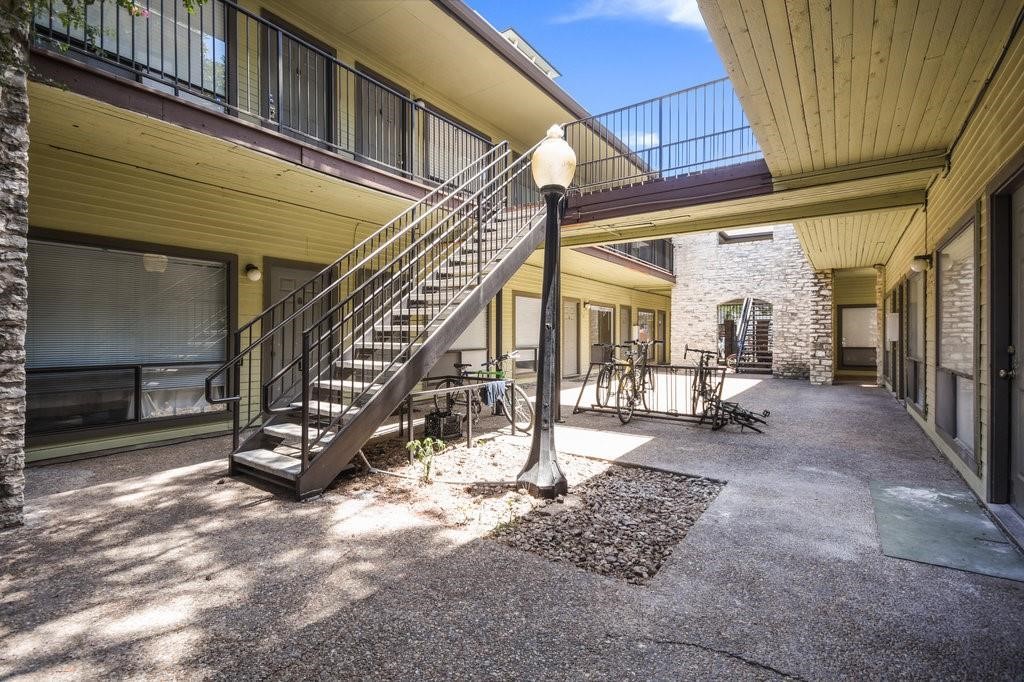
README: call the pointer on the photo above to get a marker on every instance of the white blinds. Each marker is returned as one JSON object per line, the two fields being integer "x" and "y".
{"x": 527, "y": 322}
{"x": 93, "y": 306}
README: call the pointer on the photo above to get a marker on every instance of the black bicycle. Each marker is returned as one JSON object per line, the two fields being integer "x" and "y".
{"x": 635, "y": 381}
{"x": 706, "y": 395}
{"x": 515, "y": 406}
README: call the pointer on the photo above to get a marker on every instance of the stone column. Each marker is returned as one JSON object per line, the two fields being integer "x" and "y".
{"x": 822, "y": 367}
{"x": 880, "y": 316}
{"x": 13, "y": 255}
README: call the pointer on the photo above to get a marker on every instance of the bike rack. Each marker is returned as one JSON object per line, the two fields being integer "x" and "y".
{"x": 471, "y": 383}
{"x": 673, "y": 395}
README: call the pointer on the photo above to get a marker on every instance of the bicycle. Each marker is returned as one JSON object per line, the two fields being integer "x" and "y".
{"x": 610, "y": 374}
{"x": 520, "y": 402}
{"x": 709, "y": 396}
{"x": 637, "y": 379}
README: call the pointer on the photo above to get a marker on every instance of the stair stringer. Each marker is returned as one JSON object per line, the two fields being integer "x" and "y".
{"x": 346, "y": 444}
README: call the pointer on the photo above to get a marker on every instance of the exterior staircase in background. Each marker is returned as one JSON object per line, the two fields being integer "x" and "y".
{"x": 366, "y": 329}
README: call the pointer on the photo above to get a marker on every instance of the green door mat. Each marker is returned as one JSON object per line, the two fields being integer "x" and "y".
{"x": 944, "y": 528}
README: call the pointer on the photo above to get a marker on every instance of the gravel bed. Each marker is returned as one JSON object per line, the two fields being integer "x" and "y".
{"x": 476, "y": 508}
{"x": 623, "y": 523}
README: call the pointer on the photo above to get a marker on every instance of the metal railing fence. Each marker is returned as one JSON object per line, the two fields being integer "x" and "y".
{"x": 231, "y": 60}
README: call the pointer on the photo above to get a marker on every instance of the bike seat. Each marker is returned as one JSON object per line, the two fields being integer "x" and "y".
{"x": 462, "y": 365}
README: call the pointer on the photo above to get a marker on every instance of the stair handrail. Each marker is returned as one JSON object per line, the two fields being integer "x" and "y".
{"x": 433, "y": 196}
{"x": 266, "y": 383}
{"x": 748, "y": 309}
{"x": 494, "y": 185}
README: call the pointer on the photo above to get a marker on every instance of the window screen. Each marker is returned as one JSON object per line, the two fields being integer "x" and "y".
{"x": 92, "y": 306}
{"x": 956, "y": 311}
{"x": 527, "y": 331}
{"x": 107, "y": 325}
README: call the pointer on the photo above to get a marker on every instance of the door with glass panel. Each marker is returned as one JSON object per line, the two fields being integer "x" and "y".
{"x": 602, "y": 325}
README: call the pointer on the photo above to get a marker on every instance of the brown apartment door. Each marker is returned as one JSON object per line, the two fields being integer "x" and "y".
{"x": 281, "y": 279}
{"x": 1017, "y": 341}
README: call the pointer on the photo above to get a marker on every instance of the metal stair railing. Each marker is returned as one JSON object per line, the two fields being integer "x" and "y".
{"x": 741, "y": 336}
{"x": 491, "y": 220}
{"x": 285, "y": 319}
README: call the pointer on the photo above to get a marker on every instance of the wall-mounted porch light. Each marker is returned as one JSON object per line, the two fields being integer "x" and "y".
{"x": 154, "y": 262}
{"x": 253, "y": 273}
{"x": 921, "y": 263}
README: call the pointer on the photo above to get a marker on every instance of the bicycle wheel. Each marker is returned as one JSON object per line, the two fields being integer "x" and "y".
{"x": 625, "y": 398}
{"x": 446, "y": 402}
{"x": 604, "y": 384}
{"x": 523, "y": 418}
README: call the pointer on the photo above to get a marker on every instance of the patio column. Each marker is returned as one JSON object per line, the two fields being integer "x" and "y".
{"x": 14, "y": 25}
{"x": 880, "y": 316}
{"x": 822, "y": 364}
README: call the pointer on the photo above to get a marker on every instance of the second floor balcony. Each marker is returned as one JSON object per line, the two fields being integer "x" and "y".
{"x": 259, "y": 69}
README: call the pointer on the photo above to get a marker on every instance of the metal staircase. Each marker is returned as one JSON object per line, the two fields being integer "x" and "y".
{"x": 753, "y": 340}
{"x": 366, "y": 329}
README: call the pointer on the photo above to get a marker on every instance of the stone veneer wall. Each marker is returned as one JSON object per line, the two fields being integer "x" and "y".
{"x": 13, "y": 254}
{"x": 777, "y": 271}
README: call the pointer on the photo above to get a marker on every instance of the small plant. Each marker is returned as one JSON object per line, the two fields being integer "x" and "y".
{"x": 424, "y": 451}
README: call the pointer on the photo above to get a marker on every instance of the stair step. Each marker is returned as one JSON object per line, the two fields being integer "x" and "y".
{"x": 285, "y": 431}
{"x": 366, "y": 364}
{"x": 384, "y": 345}
{"x": 270, "y": 462}
{"x": 345, "y": 385}
{"x": 326, "y": 409}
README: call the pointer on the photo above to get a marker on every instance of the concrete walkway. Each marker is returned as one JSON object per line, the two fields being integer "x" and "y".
{"x": 153, "y": 565}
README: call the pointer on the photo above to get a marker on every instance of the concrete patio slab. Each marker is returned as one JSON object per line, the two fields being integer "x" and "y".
{"x": 152, "y": 564}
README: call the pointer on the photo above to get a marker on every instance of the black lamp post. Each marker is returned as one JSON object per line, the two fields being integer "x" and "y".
{"x": 553, "y": 165}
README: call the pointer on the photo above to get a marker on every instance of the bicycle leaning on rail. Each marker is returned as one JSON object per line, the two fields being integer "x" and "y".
{"x": 635, "y": 381}
{"x": 523, "y": 410}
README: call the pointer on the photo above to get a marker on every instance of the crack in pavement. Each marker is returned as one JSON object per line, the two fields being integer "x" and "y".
{"x": 712, "y": 650}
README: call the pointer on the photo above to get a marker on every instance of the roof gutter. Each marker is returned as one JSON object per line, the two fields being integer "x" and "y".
{"x": 478, "y": 26}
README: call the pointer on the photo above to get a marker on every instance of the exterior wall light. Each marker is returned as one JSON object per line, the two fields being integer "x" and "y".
{"x": 921, "y": 263}
{"x": 253, "y": 273}
{"x": 154, "y": 262}
{"x": 553, "y": 165}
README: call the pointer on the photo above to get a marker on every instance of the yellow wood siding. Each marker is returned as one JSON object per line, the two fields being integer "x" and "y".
{"x": 993, "y": 136}
{"x": 528, "y": 280}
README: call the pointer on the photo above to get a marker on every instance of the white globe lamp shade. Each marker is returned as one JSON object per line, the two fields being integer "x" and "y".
{"x": 553, "y": 162}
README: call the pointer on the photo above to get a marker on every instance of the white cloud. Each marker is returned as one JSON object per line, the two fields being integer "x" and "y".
{"x": 641, "y": 140}
{"x": 680, "y": 12}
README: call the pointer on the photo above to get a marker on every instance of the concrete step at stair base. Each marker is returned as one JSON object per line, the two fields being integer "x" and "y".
{"x": 270, "y": 462}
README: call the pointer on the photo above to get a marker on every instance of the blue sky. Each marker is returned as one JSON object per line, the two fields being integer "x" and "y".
{"x": 613, "y": 52}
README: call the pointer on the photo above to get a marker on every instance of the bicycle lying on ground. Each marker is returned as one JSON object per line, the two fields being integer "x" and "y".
{"x": 515, "y": 405}
{"x": 707, "y": 394}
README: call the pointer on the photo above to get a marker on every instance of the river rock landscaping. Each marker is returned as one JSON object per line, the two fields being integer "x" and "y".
{"x": 623, "y": 523}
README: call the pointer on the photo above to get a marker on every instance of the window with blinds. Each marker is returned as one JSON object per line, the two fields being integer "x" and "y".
{"x": 119, "y": 336}
{"x": 527, "y": 324}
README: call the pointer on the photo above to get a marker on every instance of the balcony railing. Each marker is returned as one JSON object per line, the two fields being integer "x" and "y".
{"x": 683, "y": 133}
{"x": 233, "y": 61}
{"x": 656, "y": 252}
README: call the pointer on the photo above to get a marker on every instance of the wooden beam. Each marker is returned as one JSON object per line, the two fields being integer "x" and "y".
{"x": 769, "y": 215}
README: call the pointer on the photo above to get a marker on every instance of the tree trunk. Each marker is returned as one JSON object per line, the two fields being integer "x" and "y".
{"x": 14, "y": 28}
